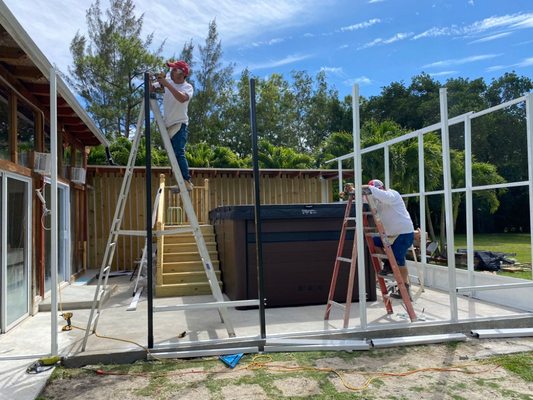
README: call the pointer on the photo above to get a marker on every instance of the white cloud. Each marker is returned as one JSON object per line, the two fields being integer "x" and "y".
{"x": 371, "y": 44}
{"x": 398, "y": 37}
{"x": 375, "y": 1}
{"x": 491, "y": 37}
{"x": 278, "y": 63}
{"x": 52, "y": 24}
{"x": 496, "y": 68}
{"x": 361, "y": 25}
{"x": 436, "y": 32}
{"x": 268, "y": 42}
{"x": 511, "y": 21}
{"x": 333, "y": 70}
{"x": 362, "y": 80}
{"x": 471, "y": 2}
{"x": 526, "y": 62}
{"x": 237, "y": 21}
{"x": 444, "y": 73}
{"x": 459, "y": 61}
{"x": 392, "y": 39}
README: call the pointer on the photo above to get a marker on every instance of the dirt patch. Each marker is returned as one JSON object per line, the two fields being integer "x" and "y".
{"x": 297, "y": 387}
{"x": 448, "y": 371}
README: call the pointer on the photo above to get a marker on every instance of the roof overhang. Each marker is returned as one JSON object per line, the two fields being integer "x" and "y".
{"x": 29, "y": 71}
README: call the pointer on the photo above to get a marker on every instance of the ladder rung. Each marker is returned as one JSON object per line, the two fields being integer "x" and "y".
{"x": 380, "y": 256}
{"x": 348, "y": 260}
{"x": 131, "y": 233}
{"x": 367, "y": 212}
{"x": 373, "y": 234}
{"x": 350, "y": 219}
{"x": 107, "y": 268}
{"x": 370, "y": 228}
{"x": 334, "y": 303}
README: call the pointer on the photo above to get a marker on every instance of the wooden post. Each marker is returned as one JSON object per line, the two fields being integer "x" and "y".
{"x": 160, "y": 225}
{"x": 39, "y": 132}
{"x": 13, "y": 127}
{"x": 206, "y": 201}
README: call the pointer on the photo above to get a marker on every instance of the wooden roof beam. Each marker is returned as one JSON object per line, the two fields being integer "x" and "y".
{"x": 21, "y": 71}
{"x": 11, "y": 53}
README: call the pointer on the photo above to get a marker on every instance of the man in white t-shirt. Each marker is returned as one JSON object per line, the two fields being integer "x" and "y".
{"x": 178, "y": 93}
{"x": 397, "y": 224}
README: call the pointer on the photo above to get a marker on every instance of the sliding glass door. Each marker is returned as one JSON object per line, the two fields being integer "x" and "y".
{"x": 15, "y": 220}
{"x": 63, "y": 222}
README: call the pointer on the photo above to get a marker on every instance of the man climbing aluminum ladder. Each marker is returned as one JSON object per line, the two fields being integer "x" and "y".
{"x": 115, "y": 231}
{"x": 372, "y": 227}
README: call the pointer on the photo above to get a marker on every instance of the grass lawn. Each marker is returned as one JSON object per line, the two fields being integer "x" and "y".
{"x": 517, "y": 243}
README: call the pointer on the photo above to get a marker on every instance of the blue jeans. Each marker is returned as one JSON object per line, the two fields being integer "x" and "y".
{"x": 179, "y": 140}
{"x": 399, "y": 247}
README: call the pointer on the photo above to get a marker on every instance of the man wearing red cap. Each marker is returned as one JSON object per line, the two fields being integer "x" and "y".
{"x": 177, "y": 95}
{"x": 397, "y": 224}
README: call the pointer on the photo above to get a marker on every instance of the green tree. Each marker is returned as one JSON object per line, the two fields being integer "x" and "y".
{"x": 214, "y": 86}
{"x": 208, "y": 156}
{"x": 271, "y": 156}
{"x": 109, "y": 63}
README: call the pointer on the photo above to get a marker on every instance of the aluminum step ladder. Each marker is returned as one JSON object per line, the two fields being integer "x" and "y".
{"x": 115, "y": 231}
{"x": 372, "y": 226}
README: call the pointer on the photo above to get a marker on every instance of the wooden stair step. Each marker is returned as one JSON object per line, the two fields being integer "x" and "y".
{"x": 187, "y": 247}
{"x": 187, "y": 266}
{"x": 187, "y": 277}
{"x": 183, "y": 289}
{"x": 187, "y": 256}
{"x": 187, "y": 239}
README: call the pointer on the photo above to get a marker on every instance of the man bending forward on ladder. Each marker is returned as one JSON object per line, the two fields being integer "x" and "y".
{"x": 397, "y": 224}
{"x": 178, "y": 93}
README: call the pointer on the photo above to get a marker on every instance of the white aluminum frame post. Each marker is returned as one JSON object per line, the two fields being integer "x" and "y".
{"x": 53, "y": 215}
{"x": 447, "y": 191}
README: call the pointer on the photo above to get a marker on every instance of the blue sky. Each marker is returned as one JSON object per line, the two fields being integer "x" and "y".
{"x": 369, "y": 42}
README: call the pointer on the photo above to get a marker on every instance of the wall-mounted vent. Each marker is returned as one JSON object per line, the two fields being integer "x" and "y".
{"x": 41, "y": 163}
{"x": 77, "y": 175}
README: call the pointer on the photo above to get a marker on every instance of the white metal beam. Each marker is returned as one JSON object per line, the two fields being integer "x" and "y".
{"x": 414, "y": 340}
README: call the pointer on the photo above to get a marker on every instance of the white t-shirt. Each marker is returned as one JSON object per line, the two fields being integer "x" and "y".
{"x": 175, "y": 112}
{"x": 396, "y": 220}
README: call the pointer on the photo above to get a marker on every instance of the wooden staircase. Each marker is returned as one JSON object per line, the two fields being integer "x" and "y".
{"x": 180, "y": 271}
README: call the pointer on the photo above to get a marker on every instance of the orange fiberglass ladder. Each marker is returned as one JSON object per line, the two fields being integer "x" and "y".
{"x": 372, "y": 227}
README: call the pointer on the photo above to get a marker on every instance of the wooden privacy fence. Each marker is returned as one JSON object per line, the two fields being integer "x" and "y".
{"x": 213, "y": 188}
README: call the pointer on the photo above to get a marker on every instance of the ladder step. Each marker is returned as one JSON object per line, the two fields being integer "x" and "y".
{"x": 348, "y": 260}
{"x": 350, "y": 219}
{"x": 372, "y": 234}
{"x": 334, "y": 303}
{"x": 380, "y": 256}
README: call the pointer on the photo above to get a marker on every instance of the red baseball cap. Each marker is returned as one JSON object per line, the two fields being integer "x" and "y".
{"x": 376, "y": 183}
{"x": 179, "y": 65}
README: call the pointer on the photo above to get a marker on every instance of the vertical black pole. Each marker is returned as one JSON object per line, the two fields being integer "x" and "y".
{"x": 258, "y": 240}
{"x": 148, "y": 210}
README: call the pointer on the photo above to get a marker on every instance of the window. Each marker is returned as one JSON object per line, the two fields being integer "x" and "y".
{"x": 26, "y": 132}
{"x": 4, "y": 125}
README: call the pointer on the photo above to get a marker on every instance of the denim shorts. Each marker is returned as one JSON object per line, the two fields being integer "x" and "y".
{"x": 399, "y": 247}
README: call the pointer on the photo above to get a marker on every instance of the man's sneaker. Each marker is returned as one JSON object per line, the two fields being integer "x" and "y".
{"x": 386, "y": 270}
{"x": 398, "y": 295}
{"x": 176, "y": 189}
